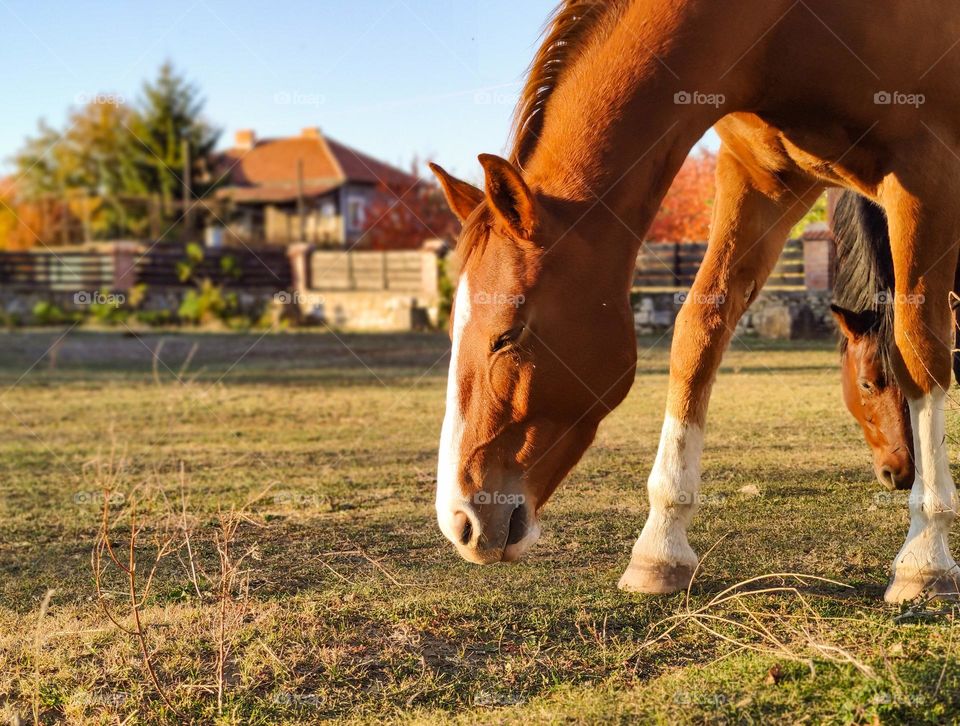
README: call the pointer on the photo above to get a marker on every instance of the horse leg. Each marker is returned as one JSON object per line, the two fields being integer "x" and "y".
{"x": 924, "y": 257}
{"x": 753, "y": 214}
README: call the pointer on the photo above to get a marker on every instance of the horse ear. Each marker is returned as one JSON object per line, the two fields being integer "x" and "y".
{"x": 462, "y": 197}
{"x": 509, "y": 196}
{"x": 853, "y": 325}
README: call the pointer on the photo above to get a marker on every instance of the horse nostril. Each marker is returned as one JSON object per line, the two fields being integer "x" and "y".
{"x": 896, "y": 478}
{"x": 467, "y": 534}
{"x": 518, "y": 525}
{"x": 887, "y": 478}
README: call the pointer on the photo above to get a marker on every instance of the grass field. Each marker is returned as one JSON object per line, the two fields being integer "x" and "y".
{"x": 329, "y": 593}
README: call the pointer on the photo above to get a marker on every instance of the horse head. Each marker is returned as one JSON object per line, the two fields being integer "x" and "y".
{"x": 543, "y": 347}
{"x": 875, "y": 399}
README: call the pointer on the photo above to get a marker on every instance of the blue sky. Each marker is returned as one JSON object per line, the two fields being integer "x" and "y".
{"x": 396, "y": 78}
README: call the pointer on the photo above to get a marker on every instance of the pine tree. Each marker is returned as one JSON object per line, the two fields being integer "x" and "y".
{"x": 169, "y": 111}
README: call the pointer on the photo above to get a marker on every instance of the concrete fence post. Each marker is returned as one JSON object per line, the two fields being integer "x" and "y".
{"x": 125, "y": 255}
{"x": 299, "y": 254}
{"x": 818, "y": 255}
{"x": 429, "y": 269}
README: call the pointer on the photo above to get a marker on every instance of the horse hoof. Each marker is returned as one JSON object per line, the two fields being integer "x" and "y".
{"x": 945, "y": 584}
{"x": 655, "y": 578}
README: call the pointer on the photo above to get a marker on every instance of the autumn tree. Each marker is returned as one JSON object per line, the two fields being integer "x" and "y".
{"x": 406, "y": 218}
{"x": 169, "y": 113}
{"x": 685, "y": 212}
{"x": 112, "y": 157}
{"x": 23, "y": 223}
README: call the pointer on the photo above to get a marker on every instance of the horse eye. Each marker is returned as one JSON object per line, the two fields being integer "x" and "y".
{"x": 506, "y": 339}
{"x": 865, "y": 385}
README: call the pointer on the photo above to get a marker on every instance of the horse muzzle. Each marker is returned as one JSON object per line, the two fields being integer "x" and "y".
{"x": 490, "y": 527}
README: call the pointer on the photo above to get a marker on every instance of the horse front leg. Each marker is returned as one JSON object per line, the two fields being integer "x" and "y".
{"x": 753, "y": 215}
{"x": 924, "y": 252}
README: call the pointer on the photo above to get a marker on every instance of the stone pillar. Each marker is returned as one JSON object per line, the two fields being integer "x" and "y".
{"x": 818, "y": 255}
{"x": 125, "y": 256}
{"x": 299, "y": 255}
{"x": 429, "y": 272}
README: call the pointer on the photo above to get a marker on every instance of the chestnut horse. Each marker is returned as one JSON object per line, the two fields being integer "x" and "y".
{"x": 803, "y": 93}
{"x": 863, "y": 292}
{"x": 863, "y": 297}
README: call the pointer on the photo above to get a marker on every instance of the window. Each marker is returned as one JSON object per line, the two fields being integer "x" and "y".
{"x": 356, "y": 212}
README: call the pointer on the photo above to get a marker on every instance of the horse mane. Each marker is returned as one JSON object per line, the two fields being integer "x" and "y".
{"x": 565, "y": 36}
{"x": 474, "y": 233}
{"x": 864, "y": 269}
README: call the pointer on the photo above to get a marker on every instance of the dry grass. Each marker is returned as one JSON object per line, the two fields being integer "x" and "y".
{"x": 277, "y": 516}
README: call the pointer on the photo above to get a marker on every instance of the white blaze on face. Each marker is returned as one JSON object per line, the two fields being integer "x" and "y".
{"x": 449, "y": 496}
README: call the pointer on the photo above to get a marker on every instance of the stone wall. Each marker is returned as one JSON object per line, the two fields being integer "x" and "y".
{"x": 379, "y": 291}
{"x": 367, "y": 311}
{"x": 17, "y": 304}
{"x": 776, "y": 314}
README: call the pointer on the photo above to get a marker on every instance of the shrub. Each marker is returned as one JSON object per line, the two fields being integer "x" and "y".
{"x": 206, "y": 304}
{"x": 445, "y": 304}
{"x": 188, "y": 267}
{"x": 154, "y": 318}
{"x": 110, "y": 311}
{"x": 46, "y": 313}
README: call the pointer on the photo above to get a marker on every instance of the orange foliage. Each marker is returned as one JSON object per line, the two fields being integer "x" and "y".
{"x": 685, "y": 212}
{"x": 404, "y": 220}
{"x": 24, "y": 224}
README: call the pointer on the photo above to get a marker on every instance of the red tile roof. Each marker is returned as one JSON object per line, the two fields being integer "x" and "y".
{"x": 275, "y": 193}
{"x": 360, "y": 167}
{"x": 268, "y": 171}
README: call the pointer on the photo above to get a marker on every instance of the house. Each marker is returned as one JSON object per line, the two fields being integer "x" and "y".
{"x": 266, "y": 182}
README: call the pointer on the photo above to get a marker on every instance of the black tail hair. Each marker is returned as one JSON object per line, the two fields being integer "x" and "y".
{"x": 864, "y": 281}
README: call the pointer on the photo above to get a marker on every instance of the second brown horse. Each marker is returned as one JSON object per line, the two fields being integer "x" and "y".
{"x": 863, "y": 309}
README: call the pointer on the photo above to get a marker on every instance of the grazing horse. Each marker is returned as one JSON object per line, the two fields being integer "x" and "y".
{"x": 863, "y": 297}
{"x": 863, "y": 308}
{"x": 802, "y": 94}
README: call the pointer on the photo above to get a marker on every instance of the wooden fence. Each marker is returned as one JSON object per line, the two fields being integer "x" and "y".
{"x": 157, "y": 267}
{"x": 232, "y": 267}
{"x": 366, "y": 271}
{"x": 674, "y": 265}
{"x": 63, "y": 271}
{"x": 660, "y": 265}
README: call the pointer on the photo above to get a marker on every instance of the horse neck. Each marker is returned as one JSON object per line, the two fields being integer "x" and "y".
{"x": 614, "y": 135}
